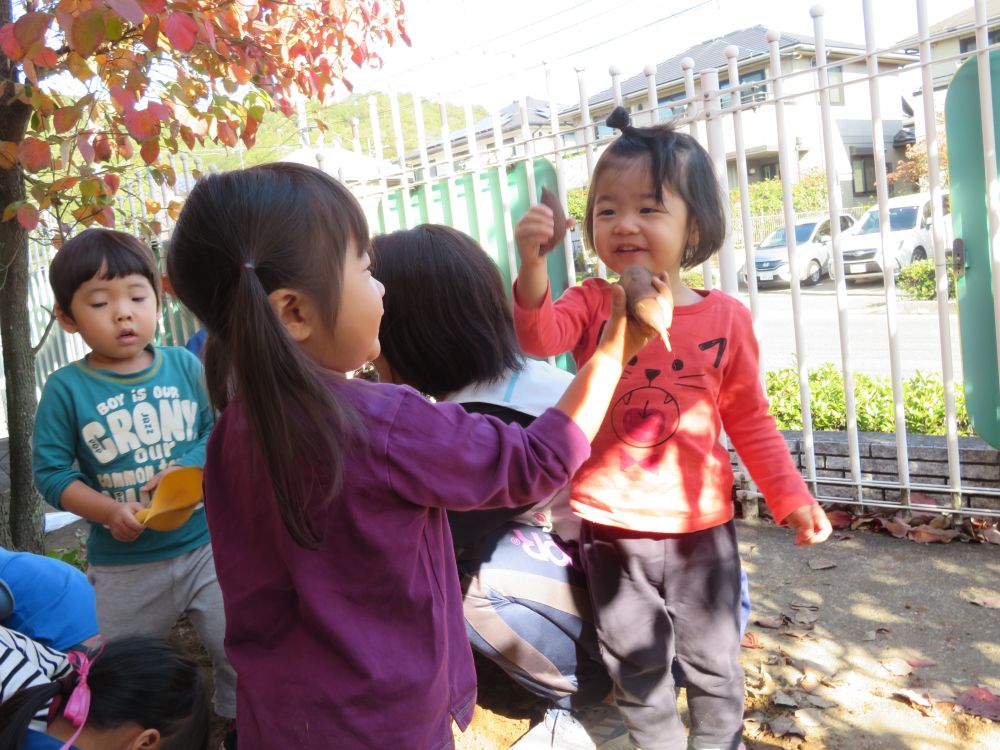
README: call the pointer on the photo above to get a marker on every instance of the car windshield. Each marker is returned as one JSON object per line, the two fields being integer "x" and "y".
{"x": 903, "y": 217}
{"x": 777, "y": 237}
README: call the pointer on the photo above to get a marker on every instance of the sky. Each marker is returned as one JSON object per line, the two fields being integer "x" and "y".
{"x": 489, "y": 51}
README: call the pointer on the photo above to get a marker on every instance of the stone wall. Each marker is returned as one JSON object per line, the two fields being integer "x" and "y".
{"x": 928, "y": 460}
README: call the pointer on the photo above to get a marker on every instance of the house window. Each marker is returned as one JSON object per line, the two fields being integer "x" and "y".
{"x": 769, "y": 171}
{"x": 968, "y": 44}
{"x": 863, "y": 171}
{"x": 755, "y": 93}
{"x": 664, "y": 112}
{"x": 835, "y": 77}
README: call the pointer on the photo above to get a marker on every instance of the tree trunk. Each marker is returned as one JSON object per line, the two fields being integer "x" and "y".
{"x": 22, "y": 527}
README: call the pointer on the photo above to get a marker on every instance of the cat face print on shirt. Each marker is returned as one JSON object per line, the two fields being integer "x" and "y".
{"x": 646, "y": 417}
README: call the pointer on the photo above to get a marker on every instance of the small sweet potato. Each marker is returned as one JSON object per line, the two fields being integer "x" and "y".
{"x": 550, "y": 199}
{"x": 642, "y": 303}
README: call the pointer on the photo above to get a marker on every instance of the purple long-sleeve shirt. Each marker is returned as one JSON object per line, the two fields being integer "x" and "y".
{"x": 361, "y": 643}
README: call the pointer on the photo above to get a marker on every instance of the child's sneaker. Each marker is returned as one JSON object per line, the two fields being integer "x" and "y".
{"x": 594, "y": 728}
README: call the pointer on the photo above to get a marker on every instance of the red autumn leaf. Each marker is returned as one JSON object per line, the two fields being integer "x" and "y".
{"x": 125, "y": 149}
{"x": 105, "y": 217}
{"x": 917, "y": 662}
{"x": 151, "y": 34}
{"x": 88, "y": 32}
{"x": 124, "y": 97}
{"x": 898, "y": 667}
{"x": 63, "y": 183}
{"x": 65, "y": 118}
{"x": 181, "y": 30}
{"x": 85, "y": 147}
{"x": 898, "y": 529}
{"x": 30, "y": 28}
{"x": 226, "y": 134}
{"x": 149, "y": 151}
{"x": 129, "y": 10}
{"x": 46, "y": 58}
{"x": 980, "y": 702}
{"x": 113, "y": 182}
{"x": 9, "y": 44}
{"x": 153, "y": 7}
{"x": 161, "y": 111}
{"x": 102, "y": 147}
{"x": 34, "y": 154}
{"x": 27, "y": 216}
{"x": 990, "y": 603}
{"x": 142, "y": 124}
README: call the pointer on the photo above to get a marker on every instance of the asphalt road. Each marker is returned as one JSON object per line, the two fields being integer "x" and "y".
{"x": 867, "y": 330}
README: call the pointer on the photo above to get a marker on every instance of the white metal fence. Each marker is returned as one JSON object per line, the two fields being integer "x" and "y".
{"x": 570, "y": 141}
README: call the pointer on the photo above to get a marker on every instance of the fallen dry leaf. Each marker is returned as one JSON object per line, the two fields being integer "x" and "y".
{"x": 898, "y": 667}
{"x": 769, "y": 622}
{"x": 795, "y": 632}
{"x": 918, "y": 662}
{"x": 940, "y": 522}
{"x": 871, "y": 635}
{"x": 980, "y": 701}
{"x": 991, "y": 603}
{"x": 783, "y": 725}
{"x": 839, "y": 519}
{"x": 822, "y": 564}
{"x": 805, "y": 617}
{"x": 898, "y": 529}
{"x": 784, "y": 700}
{"x": 925, "y": 534}
{"x": 820, "y": 702}
{"x": 991, "y": 534}
{"x": 751, "y": 640}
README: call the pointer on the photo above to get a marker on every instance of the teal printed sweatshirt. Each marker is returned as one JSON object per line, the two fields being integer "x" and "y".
{"x": 121, "y": 430}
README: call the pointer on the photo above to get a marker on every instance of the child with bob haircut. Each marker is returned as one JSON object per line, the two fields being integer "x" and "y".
{"x": 326, "y": 496}
{"x": 659, "y": 543}
{"x": 109, "y": 427}
{"x": 448, "y": 331}
{"x": 128, "y": 694}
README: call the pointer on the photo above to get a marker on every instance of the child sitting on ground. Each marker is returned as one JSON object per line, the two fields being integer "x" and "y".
{"x": 130, "y": 694}
{"x": 109, "y": 426}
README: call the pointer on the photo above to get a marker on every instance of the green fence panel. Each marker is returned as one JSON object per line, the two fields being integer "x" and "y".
{"x": 970, "y": 222}
{"x": 473, "y": 203}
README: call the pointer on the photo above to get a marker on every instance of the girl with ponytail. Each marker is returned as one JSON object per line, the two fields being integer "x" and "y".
{"x": 326, "y": 496}
{"x": 130, "y": 694}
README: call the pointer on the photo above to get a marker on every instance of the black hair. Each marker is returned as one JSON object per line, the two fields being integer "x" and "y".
{"x": 107, "y": 252}
{"x": 676, "y": 161}
{"x": 138, "y": 680}
{"x": 447, "y": 322}
{"x": 241, "y": 235}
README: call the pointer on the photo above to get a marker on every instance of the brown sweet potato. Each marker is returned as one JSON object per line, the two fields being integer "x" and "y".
{"x": 550, "y": 199}
{"x": 642, "y": 303}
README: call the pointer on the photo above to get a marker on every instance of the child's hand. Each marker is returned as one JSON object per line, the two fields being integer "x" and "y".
{"x": 532, "y": 231}
{"x": 810, "y": 523}
{"x": 121, "y": 521}
{"x": 153, "y": 483}
{"x": 623, "y": 336}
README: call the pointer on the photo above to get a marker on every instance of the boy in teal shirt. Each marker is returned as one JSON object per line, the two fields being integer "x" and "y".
{"x": 109, "y": 426}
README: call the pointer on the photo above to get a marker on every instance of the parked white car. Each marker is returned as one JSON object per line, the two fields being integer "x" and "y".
{"x": 812, "y": 246}
{"x": 909, "y": 238}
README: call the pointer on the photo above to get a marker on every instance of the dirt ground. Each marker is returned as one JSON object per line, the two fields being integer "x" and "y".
{"x": 835, "y": 625}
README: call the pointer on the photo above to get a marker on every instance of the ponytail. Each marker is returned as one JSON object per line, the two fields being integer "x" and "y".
{"x": 17, "y": 712}
{"x": 240, "y": 236}
{"x": 144, "y": 681}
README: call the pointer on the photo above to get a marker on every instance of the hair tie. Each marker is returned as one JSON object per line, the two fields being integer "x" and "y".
{"x": 250, "y": 266}
{"x": 619, "y": 119}
{"x": 78, "y": 704}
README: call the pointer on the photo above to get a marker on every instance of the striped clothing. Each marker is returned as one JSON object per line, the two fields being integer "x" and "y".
{"x": 26, "y": 663}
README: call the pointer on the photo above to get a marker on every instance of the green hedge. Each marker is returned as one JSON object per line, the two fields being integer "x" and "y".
{"x": 917, "y": 280}
{"x": 923, "y": 401}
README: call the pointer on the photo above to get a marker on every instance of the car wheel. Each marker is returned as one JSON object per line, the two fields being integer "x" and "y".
{"x": 813, "y": 274}
{"x": 918, "y": 254}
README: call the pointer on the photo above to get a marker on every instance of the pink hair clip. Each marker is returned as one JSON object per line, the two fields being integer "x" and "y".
{"x": 78, "y": 705}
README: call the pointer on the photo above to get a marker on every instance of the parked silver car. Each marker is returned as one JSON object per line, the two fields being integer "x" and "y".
{"x": 812, "y": 252}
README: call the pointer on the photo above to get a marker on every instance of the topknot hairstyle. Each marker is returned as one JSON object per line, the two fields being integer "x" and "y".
{"x": 676, "y": 161}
